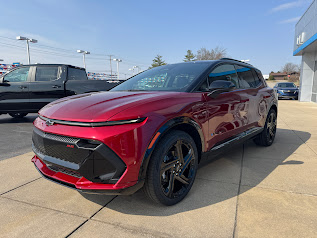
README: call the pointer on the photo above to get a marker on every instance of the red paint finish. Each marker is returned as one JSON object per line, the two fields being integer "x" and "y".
{"x": 218, "y": 119}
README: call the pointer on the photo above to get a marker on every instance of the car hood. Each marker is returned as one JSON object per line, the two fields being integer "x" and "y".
{"x": 96, "y": 107}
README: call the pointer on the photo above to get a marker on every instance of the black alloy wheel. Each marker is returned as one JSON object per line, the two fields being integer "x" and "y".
{"x": 17, "y": 114}
{"x": 172, "y": 169}
{"x": 267, "y": 136}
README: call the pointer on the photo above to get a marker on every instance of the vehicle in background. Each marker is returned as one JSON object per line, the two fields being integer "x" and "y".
{"x": 154, "y": 129}
{"x": 286, "y": 90}
{"x": 28, "y": 88}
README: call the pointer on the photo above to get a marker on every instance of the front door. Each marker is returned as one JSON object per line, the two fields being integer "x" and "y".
{"x": 47, "y": 86}
{"x": 14, "y": 91}
{"x": 227, "y": 112}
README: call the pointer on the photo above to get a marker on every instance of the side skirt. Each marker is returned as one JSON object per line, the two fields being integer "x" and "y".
{"x": 230, "y": 143}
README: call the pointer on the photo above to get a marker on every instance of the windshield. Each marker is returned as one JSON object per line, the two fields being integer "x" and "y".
{"x": 174, "y": 77}
{"x": 286, "y": 85}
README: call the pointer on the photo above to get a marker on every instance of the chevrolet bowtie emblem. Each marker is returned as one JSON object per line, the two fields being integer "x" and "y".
{"x": 49, "y": 123}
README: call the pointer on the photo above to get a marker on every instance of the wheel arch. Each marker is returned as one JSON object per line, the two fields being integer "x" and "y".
{"x": 185, "y": 124}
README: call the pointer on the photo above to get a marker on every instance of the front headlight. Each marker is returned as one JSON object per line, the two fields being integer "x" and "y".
{"x": 51, "y": 122}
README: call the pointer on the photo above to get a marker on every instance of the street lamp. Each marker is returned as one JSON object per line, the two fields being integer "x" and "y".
{"x": 247, "y": 60}
{"x": 27, "y": 44}
{"x": 118, "y": 61}
{"x": 84, "y": 53}
{"x": 132, "y": 69}
{"x": 137, "y": 67}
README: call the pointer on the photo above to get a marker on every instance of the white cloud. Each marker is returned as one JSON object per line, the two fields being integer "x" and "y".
{"x": 290, "y": 20}
{"x": 286, "y": 6}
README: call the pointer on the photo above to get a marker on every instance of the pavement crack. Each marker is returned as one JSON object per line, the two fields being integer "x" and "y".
{"x": 238, "y": 193}
{"x": 280, "y": 190}
{"x": 20, "y": 186}
{"x": 47, "y": 208}
{"x": 83, "y": 223}
{"x": 217, "y": 181}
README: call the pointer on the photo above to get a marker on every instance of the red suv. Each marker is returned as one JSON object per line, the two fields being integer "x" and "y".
{"x": 154, "y": 129}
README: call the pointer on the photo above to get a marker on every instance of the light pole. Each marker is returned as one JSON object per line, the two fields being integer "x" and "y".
{"x": 27, "y": 44}
{"x": 84, "y": 53}
{"x": 247, "y": 60}
{"x": 137, "y": 67}
{"x": 118, "y": 61}
{"x": 132, "y": 69}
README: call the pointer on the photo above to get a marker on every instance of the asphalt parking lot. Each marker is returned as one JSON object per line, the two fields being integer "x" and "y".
{"x": 250, "y": 191}
{"x": 16, "y": 135}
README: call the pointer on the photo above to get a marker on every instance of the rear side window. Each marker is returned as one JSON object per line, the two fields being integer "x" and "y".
{"x": 258, "y": 77}
{"x": 76, "y": 74}
{"x": 47, "y": 73}
{"x": 246, "y": 77}
{"x": 224, "y": 72}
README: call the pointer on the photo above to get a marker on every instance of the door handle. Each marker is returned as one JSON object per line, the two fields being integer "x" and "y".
{"x": 23, "y": 87}
{"x": 56, "y": 86}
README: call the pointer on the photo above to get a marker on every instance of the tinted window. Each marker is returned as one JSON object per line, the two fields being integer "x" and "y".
{"x": 18, "y": 75}
{"x": 224, "y": 72}
{"x": 76, "y": 74}
{"x": 47, "y": 73}
{"x": 257, "y": 80}
{"x": 246, "y": 77}
{"x": 174, "y": 77}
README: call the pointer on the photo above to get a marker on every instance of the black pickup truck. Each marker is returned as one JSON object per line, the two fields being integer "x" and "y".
{"x": 28, "y": 88}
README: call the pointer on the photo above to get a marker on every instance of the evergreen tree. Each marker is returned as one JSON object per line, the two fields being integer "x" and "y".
{"x": 157, "y": 61}
{"x": 189, "y": 56}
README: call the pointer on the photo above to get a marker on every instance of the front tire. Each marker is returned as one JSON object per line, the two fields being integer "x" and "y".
{"x": 267, "y": 136}
{"x": 17, "y": 114}
{"x": 172, "y": 169}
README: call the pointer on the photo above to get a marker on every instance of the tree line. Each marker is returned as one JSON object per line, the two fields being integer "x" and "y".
{"x": 202, "y": 54}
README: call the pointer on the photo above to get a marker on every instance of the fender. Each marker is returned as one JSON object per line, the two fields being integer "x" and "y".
{"x": 160, "y": 133}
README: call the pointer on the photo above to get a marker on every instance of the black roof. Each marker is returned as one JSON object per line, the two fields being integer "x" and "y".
{"x": 68, "y": 65}
{"x": 213, "y": 62}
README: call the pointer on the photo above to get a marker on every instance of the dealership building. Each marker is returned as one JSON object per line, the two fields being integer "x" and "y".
{"x": 305, "y": 45}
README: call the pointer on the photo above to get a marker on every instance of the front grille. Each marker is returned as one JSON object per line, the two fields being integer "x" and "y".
{"x": 63, "y": 170}
{"x": 59, "y": 147}
{"x": 78, "y": 157}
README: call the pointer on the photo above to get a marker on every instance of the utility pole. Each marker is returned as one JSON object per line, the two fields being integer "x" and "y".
{"x": 110, "y": 66}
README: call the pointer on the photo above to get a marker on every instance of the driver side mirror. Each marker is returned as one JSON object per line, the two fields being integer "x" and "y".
{"x": 220, "y": 86}
{"x": 3, "y": 82}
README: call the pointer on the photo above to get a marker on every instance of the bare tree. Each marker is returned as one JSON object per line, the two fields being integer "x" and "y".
{"x": 213, "y": 54}
{"x": 290, "y": 68}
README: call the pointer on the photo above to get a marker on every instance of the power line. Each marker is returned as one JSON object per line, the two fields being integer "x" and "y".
{"x": 61, "y": 52}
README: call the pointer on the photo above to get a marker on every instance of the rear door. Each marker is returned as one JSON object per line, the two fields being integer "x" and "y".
{"x": 47, "y": 86}
{"x": 77, "y": 82}
{"x": 226, "y": 112}
{"x": 252, "y": 95}
{"x": 14, "y": 93}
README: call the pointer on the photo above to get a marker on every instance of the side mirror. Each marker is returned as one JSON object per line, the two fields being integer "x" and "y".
{"x": 220, "y": 86}
{"x": 3, "y": 82}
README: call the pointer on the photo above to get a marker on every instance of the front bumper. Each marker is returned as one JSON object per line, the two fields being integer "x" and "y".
{"x": 81, "y": 184}
{"x": 288, "y": 95}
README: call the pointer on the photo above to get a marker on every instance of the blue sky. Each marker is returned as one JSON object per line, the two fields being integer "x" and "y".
{"x": 136, "y": 31}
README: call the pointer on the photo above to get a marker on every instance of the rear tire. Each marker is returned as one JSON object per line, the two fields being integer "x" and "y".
{"x": 17, "y": 114}
{"x": 267, "y": 136}
{"x": 172, "y": 169}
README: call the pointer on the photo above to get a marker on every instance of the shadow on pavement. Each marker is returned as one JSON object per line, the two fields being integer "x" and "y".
{"x": 6, "y": 119}
{"x": 205, "y": 191}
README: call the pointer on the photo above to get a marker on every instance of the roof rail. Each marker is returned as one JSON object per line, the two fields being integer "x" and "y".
{"x": 235, "y": 60}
